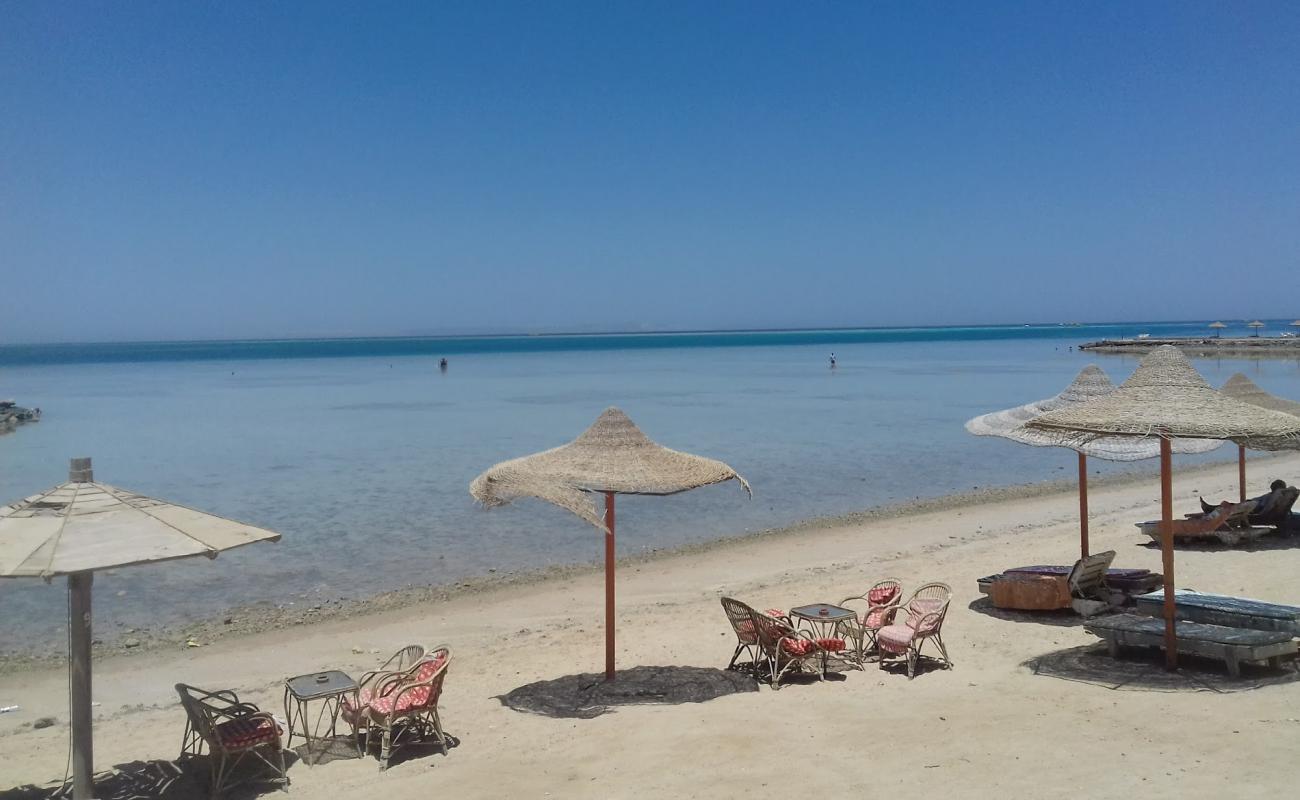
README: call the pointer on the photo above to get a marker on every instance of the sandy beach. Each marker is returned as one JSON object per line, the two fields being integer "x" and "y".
{"x": 1031, "y": 703}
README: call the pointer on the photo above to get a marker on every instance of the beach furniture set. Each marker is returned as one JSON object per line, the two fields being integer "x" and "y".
{"x": 1233, "y": 523}
{"x": 386, "y": 707}
{"x": 875, "y": 623}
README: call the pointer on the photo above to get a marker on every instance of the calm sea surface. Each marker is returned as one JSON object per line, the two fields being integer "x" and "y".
{"x": 360, "y": 451}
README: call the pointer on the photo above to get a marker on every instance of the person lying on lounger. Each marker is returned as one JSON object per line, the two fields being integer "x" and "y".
{"x": 1267, "y": 507}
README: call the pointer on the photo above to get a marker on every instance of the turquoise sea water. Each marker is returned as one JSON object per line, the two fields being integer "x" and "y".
{"x": 360, "y": 451}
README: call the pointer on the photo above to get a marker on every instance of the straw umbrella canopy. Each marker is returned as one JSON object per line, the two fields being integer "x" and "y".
{"x": 1256, "y": 325}
{"x": 1166, "y": 397}
{"x": 1089, "y": 384}
{"x": 81, "y": 526}
{"x": 611, "y": 457}
{"x": 1246, "y": 390}
{"x": 1218, "y": 328}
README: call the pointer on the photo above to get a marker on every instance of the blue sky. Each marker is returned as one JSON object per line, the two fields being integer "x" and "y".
{"x": 199, "y": 170}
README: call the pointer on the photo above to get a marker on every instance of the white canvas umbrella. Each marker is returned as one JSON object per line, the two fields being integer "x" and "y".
{"x": 81, "y": 526}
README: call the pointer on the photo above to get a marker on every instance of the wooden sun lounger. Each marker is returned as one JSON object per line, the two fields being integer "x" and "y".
{"x": 1232, "y": 645}
{"x": 1216, "y": 609}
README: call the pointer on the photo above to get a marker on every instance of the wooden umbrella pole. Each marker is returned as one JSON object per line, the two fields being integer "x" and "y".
{"x": 1241, "y": 470}
{"x": 1167, "y": 549}
{"x": 83, "y": 759}
{"x": 609, "y": 586}
{"x": 1083, "y": 504}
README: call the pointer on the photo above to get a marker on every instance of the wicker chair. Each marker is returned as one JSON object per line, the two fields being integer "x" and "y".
{"x": 882, "y": 595}
{"x": 926, "y": 610}
{"x": 230, "y": 730}
{"x": 742, "y": 624}
{"x": 779, "y": 647}
{"x": 405, "y": 704}
{"x": 403, "y": 662}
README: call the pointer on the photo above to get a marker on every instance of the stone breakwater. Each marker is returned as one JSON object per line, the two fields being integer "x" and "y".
{"x": 1209, "y": 346}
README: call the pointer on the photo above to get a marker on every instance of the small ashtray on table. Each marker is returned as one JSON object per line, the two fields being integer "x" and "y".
{"x": 827, "y": 621}
{"x": 328, "y": 689}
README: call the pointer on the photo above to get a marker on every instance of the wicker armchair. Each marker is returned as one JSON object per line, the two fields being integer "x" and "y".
{"x": 777, "y": 644}
{"x": 230, "y": 730}
{"x": 872, "y": 606}
{"x": 403, "y": 662}
{"x": 405, "y": 704}
{"x": 742, "y": 624}
{"x": 925, "y": 613}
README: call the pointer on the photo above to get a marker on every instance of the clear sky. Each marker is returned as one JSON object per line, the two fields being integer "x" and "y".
{"x": 228, "y": 169}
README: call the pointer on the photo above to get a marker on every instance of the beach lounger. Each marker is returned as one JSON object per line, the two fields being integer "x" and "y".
{"x": 1232, "y": 645}
{"x": 1273, "y": 509}
{"x": 871, "y": 606}
{"x": 923, "y": 616}
{"x": 1220, "y": 525}
{"x": 1089, "y": 593}
{"x": 404, "y": 705}
{"x": 1216, "y": 609}
{"x": 780, "y": 647}
{"x": 231, "y": 730}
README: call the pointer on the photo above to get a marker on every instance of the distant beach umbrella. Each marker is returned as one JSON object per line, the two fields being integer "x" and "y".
{"x": 1256, "y": 325}
{"x": 1244, "y": 389}
{"x": 81, "y": 526}
{"x": 1166, "y": 397}
{"x": 1089, "y": 384}
{"x": 611, "y": 457}
{"x": 1218, "y": 328}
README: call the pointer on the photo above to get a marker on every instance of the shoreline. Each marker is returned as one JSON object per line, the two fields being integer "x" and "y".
{"x": 244, "y": 621}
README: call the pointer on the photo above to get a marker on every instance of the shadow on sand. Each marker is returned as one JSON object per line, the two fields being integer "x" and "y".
{"x": 589, "y": 695}
{"x": 151, "y": 780}
{"x": 1142, "y": 669}
{"x": 1064, "y": 618}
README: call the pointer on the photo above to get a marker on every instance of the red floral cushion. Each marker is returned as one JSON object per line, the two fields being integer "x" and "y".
{"x": 882, "y": 595}
{"x": 875, "y": 618}
{"x": 247, "y": 732}
{"x": 400, "y": 699}
{"x": 798, "y": 647}
{"x": 833, "y": 645}
{"x": 774, "y": 613}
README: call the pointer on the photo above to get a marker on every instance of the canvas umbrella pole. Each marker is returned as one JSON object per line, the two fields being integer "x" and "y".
{"x": 1167, "y": 550}
{"x": 1241, "y": 470}
{"x": 65, "y": 531}
{"x": 609, "y": 586}
{"x": 1083, "y": 505}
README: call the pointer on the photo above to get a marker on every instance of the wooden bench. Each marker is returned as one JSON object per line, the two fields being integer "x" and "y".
{"x": 1232, "y": 645}
{"x": 1217, "y": 609}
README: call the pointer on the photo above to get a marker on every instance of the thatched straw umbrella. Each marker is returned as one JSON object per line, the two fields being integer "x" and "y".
{"x": 1218, "y": 328}
{"x": 1256, "y": 325}
{"x": 82, "y": 526}
{"x": 1089, "y": 384}
{"x": 611, "y": 457}
{"x": 1166, "y": 397}
{"x": 1244, "y": 389}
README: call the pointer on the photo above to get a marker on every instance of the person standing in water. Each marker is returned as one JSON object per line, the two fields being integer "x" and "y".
{"x": 832, "y": 361}
{"x": 442, "y": 365}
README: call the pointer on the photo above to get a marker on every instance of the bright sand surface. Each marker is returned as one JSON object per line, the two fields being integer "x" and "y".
{"x": 994, "y": 726}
